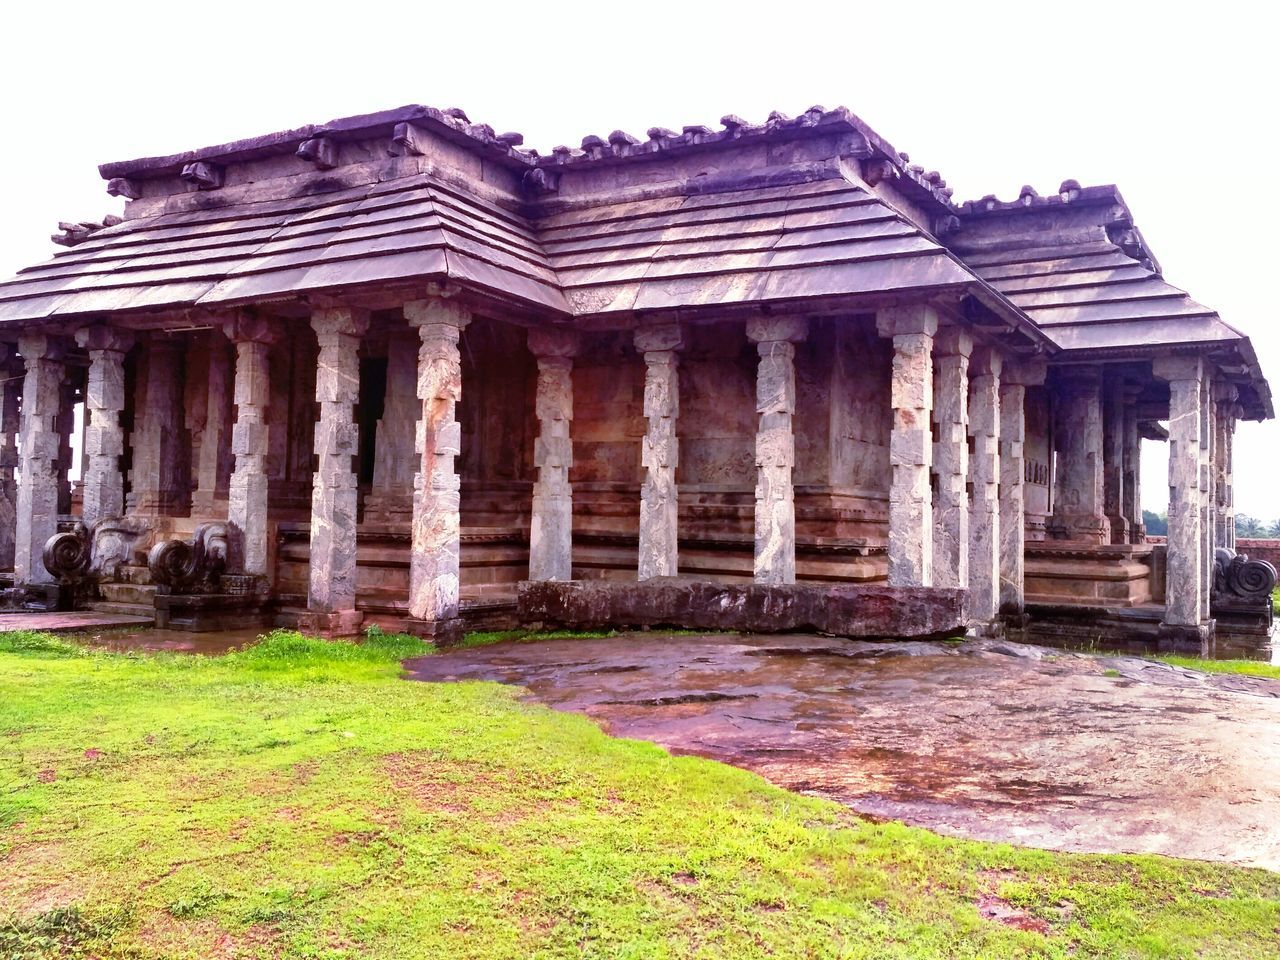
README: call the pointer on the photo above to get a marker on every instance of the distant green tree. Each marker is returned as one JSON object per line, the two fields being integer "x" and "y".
{"x": 1157, "y": 524}
{"x": 1249, "y": 527}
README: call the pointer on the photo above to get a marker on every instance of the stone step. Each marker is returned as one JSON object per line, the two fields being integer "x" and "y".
{"x": 147, "y": 610}
{"x": 134, "y": 573}
{"x": 139, "y": 593}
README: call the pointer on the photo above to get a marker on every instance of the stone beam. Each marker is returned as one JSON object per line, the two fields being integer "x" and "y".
{"x": 104, "y": 436}
{"x": 775, "y": 512}
{"x": 331, "y": 596}
{"x": 10, "y": 398}
{"x": 551, "y": 529}
{"x": 910, "y": 444}
{"x": 247, "y": 495}
{"x": 951, "y": 350}
{"x": 659, "y": 498}
{"x": 435, "y": 568}
{"x": 1186, "y": 580}
{"x": 37, "y": 518}
{"x": 1078, "y": 512}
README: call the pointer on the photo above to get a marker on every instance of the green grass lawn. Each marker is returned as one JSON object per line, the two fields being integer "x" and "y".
{"x": 299, "y": 799}
{"x": 1253, "y": 668}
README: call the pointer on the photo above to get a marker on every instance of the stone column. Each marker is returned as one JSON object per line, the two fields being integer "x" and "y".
{"x": 37, "y": 518}
{"x": 1234, "y": 413}
{"x": 1015, "y": 378}
{"x": 1113, "y": 457}
{"x": 1078, "y": 512}
{"x": 217, "y": 425}
{"x": 331, "y": 597}
{"x": 104, "y": 436}
{"x": 391, "y": 497}
{"x": 775, "y": 511}
{"x": 984, "y": 420}
{"x": 1185, "y": 583}
{"x": 1224, "y": 397}
{"x": 66, "y": 429}
{"x": 155, "y": 477}
{"x": 659, "y": 499}
{"x": 551, "y": 531}
{"x": 951, "y": 349}
{"x": 247, "y": 495}
{"x": 1131, "y": 493}
{"x": 1207, "y": 429}
{"x": 10, "y": 394}
{"x": 910, "y": 445}
{"x": 435, "y": 568}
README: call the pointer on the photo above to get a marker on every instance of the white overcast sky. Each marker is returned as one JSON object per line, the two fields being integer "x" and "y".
{"x": 1174, "y": 102}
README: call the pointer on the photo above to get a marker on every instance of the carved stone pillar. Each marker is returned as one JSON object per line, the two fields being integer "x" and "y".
{"x": 984, "y": 421}
{"x": 1015, "y": 378}
{"x": 775, "y": 512}
{"x": 1113, "y": 457}
{"x": 435, "y": 568}
{"x": 219, "y": 416}
{"x": 1078, "y": 512}
{"x": 1207, "y": 429}
{"x": 1185, "y": 584}
{"x": 331, "y": 596}
{"x": 1131, "y": 493}
{"x": 1224, "y": 397}
{"x": 10, "y": 397}
{"x": 951, "y": 349}
{"x": 66, "y": 424}
{"x": 104, "y": 436}
{"x": 910, "y": 445}
{"x": 156, "y": 483}
{"x": 247, "y": 495}
{"x": 391, "y": 497}
{"x": 659, "y": 500}
{"x": 37, "y": 518}
{"x": 1233, "y": 414}
{"x": 551, "y": 530}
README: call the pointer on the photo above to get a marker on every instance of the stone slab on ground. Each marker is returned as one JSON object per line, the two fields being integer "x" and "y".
{"x": 70, "y": 622}
{"x": 846, "y": 610}
{"x": 992, "y": 740}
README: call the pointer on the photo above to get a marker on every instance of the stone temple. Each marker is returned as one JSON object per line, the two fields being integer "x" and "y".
{"x": 398, "y": 369}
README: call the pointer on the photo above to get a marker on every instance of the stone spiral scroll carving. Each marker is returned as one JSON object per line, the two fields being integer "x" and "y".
{"x": 1237, "y": 579}
{"x": 67, "y": 554}
{"x": 190, "y": 566}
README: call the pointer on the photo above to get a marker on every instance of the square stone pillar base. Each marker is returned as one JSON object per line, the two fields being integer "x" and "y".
{"x": 339, "y": 623}
{"x": 443, "y": 633}
{"x": 1178, "y": 638}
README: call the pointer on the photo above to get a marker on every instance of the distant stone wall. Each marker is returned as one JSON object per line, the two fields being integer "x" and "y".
{"x": 1268, "y": 550}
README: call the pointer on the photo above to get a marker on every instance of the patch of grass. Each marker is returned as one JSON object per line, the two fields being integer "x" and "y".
{"x": 299, "y": 799}
{"x": 1111, "y": 673}
{"x": 1253, "y": 668}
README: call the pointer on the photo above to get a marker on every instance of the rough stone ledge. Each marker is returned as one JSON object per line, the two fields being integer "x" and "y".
{"x": 844, "y": 610}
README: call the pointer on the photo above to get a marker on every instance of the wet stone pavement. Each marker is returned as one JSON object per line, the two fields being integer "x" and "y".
{"x": 984, "y": 739}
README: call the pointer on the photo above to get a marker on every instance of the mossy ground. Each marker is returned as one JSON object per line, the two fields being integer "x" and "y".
{"x": 298, "y": 799}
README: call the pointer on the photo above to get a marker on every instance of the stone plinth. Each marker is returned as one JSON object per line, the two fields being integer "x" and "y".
{"x": 911, "y": 443}
{"x": 434, "y": 571}
{"x": 1186, "y": 580}
{"x": 984, "y": 422}
{"x": 331, "y": 595}
{"x": 247, "y": 495}
{"x": 775, "y": 512}
{"x": 37, "y": 518}
{"x": 10, "y": 396}
{"x": 659, "y": 498}
{"x": 1078, "y": 502}
{"x": 103, "y": 434}
{"x": 951, "y": 350}
{"x": 551, "y": 528}
{"x": 874, "y": 610}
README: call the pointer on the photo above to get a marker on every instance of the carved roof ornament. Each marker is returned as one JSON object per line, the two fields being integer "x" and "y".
{"x": 404, "y": 141}
{"x": 72, "y": 233}
{"x": 321, "y": 151}
{"x": 204, "y": 175}
{"x": 540, "y": 181}
{"x": 123, "y": 187}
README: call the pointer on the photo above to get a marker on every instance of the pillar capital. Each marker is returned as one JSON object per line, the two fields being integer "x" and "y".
{"x": 436, "y": 310}
{"x": 907, "y": 319}
{"x": 101, "y": 337}
{"x": 546, "y": 342}
{"x": 34, "y": 345}
{"x": 777, "y": 329}
{"x": 952, "y": 341}
{"x": 658, "y": 337}
{"x": 986, "y": 362}
{"x": 1179, "y": 367}
{"x": 340, "y": 321}
{"x": 245, "y": 326}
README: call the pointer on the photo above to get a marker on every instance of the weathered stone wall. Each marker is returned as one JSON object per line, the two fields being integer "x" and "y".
{"x": 1259, "y": 549}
